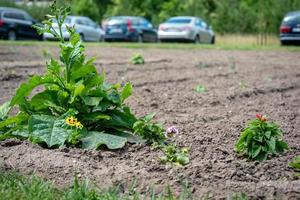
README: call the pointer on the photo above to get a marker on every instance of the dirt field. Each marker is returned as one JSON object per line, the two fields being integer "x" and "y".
{"x": 238, "y": 85}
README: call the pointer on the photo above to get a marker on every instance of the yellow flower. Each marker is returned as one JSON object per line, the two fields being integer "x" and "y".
{"x": 79, "y": 125}
{"x": 71, "y": 121}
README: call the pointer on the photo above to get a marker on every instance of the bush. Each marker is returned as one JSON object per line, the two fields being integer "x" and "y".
{"x": 86, "y": 8}
{"x": 261, "y": 139}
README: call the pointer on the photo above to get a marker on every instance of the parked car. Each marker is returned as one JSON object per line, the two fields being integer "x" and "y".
{"x": 17, "y": 24}
{"x": 186, "y": 29}
{"x": 290, "y": 28}
{"x": 128, "y": 28}
{"x": 87, "y": 28}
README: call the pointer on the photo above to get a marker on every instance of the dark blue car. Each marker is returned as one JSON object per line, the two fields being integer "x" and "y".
{"x": 17, "y": 24}
{"x": 128, "y": 28}
{"x": 290, "y": 29}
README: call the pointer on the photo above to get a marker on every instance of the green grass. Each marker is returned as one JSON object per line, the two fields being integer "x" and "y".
{"x": 14, "y": 186}
{"x": 223, "y": 42}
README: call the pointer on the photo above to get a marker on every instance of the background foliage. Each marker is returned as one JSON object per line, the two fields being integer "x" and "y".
{"x": 226, "y": 16}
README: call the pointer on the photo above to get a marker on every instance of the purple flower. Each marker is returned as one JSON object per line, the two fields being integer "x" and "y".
{"x": 171, "y": 132}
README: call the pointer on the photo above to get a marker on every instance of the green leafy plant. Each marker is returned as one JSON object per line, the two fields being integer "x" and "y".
{"x": 200, "y": 88}
{"x": 76, "y": 106}
{"x": 260, "y": 139}
{"x": 243, "y": 85}
{"x": 295, "y": 164}
{"x": 175, "y": 155}
{"x": 238, "y": 196}
{"x": 172, "y": 153}
{"x": 137, "y": 59}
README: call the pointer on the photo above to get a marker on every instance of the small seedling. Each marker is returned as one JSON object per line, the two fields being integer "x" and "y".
{"x": 268, "y": 79}
{"x": 243, "y": 84}
{"x": 295, "y": 164}
{"x": 175, "y": 156}
{"x": 137, "y": 59}
{"x": 200, "y": 88}
{"x": 260, "y": 139}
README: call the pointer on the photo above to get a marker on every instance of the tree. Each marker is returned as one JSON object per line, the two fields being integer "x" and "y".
{"x": 87, "y": 8}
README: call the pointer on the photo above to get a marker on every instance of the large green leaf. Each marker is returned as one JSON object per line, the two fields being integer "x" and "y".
{"x": 91, "y": 101}
{"x": 120, "y": 119}
{"x": 127, "y": 91}
{"x": 79, "y": 87}
{"x": 133, "y": 139}
{"x": 18, "y": 119}
{"x": 95, "y": 139}
{"x": 83, "y": 71}
{"x": 26, "y": 88}
{"x": 54, "y": 67}
{"x": 45, "y": 100}
{"x": 44, "y": 128}
{"x": 4, "y": 110}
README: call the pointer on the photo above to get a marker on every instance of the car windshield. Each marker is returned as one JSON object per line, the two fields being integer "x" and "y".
{"x": 291, "y": 19}
{"x": 115, "y": 21}
{"x": 122, "y": 20}
{"x": 179, "y": 21}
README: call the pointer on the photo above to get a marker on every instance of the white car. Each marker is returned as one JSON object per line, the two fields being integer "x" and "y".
{"x": 87, "y": 28}
{"x": 187, "y": 29}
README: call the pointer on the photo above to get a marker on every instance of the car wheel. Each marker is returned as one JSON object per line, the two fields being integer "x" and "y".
{"x": 213, "y": 40}
{"x": 284, "y": 43}
{"x": 140, "y": 39}
{"x": 197, "y": 39}
{"x": 12, "y": 36}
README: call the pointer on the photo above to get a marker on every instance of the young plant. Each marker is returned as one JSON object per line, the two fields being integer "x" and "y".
{"x": 200, "y": 88}
{"x": 137, "y": 59}
{"x": 243, "y": 85}
{"x": 260, "y": 139}
{"x": 295, "y": 164}
{"x": 173, "y": 154}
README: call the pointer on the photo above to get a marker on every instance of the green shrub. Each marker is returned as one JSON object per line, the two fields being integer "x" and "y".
{"x": 137, "y": 59}
{"x": 260, "y": 139}
{"x": 86, "y": 8}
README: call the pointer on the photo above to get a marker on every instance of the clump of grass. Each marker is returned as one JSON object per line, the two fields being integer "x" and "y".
{"x": 238, "y": 196}
{"x": 137, "y": 59}
{"x": 14, "y": 186}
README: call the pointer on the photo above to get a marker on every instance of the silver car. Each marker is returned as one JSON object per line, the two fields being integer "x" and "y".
{"x": 87, "y": 28}
{"x": 186, "y": 28}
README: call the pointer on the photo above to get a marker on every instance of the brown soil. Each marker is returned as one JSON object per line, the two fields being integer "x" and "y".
{"x": 239, "y": 84}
